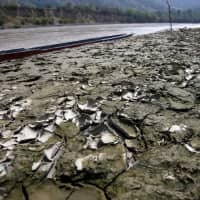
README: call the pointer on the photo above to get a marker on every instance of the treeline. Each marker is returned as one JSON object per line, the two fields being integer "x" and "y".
{"x": 15, "y": 16}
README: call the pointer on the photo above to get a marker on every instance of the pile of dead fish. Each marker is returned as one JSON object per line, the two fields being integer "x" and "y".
{"x": 98, "y": 128}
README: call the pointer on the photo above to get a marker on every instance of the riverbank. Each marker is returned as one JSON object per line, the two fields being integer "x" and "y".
{"x": 116, "y": 120}
{"x": 15, "y": 16}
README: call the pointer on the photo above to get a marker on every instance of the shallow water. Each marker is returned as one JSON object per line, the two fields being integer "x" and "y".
{"x": 32, "y": 37}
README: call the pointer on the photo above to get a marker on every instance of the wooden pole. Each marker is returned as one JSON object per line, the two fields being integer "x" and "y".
{"x": 170, "y": 15}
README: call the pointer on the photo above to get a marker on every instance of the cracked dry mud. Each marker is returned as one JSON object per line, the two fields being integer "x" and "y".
{"x": 111, "y": 121}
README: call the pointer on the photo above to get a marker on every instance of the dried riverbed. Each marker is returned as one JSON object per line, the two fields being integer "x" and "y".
{"x": 111, "y": 121}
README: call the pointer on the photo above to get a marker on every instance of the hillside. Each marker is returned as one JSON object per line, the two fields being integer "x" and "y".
{"x": 138, "y": 4}
{"x": 37, "y": 12}
{"x": 12, "y": 16}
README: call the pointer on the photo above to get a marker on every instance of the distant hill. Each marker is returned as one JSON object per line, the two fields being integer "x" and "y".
{"x": 81, "y": 12}
{"x": 137, "y": 4}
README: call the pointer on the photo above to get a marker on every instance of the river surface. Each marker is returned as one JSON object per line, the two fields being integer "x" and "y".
{"x": 32, "y": 37}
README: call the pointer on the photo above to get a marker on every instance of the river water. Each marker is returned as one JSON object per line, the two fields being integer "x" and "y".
{"x": 32, "y": 37}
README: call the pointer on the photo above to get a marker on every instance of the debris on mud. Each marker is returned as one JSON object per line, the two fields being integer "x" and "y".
{"x": 110, "y": 121}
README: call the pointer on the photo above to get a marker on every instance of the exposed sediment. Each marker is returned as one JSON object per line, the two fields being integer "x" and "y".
{"x": 110, "y": 121}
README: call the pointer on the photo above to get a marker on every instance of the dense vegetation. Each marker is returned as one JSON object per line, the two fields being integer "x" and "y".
{"x": 15, "y": 16}
{"x": 137, "y": 4}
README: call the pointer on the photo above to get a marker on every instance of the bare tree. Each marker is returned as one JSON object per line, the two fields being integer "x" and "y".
{"x": 18, "y": 8}
{"x": 170, "y": 14}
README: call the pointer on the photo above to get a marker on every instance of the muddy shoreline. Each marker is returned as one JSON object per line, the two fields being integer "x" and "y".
{"x": 110, "y": 121}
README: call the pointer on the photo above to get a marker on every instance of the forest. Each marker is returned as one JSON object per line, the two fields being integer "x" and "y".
{"x": 18, "y": 16}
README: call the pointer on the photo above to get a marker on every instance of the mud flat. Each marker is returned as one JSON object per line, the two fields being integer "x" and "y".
{"x": 110, "y": 121}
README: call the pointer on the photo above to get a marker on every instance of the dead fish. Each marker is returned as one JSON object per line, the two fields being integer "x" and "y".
{"x": 191, "y": 149}
{"x": 6, "y": 134}
{"x": 51, "y": 152}
{"x": 83, "y": 121}
{"x": 79, "y": 163}
{"x": 109, "y": 138}
{"x": 84, "y": 86}
{"x": 3, "y": 114}
{"x": 184, "y": 84}
{"x": 104, "y": 133}
{"x": 132, "y": 96}
{"x": 45, "y": 167}
{"x": 189, "y": 71}
{"x": 36, "y": 165}
{"x": 96, "y": 117}
{"x": 50, "y": 128}
{"x": 169, "y": 177}
{"x": 177, "y": 128}
{"x": 128, "y": 96}
{"x": 36, "y": 126}
{"x": 91, "y": 106}
{"x": 52, "y": 171}
{"x": 129, "y": 159}
{"x": 15, "y": 110}
{"x": 3, "y": 170}
{"x": 61, "y": 100}
{"x": 189, "y": 77}
{"x": 41, "y": 166}
{"x": 14, "y": 87}
{"x": 51, "y": 110}
{"x": 71, "y": 101}
{"x": 124, "y": 128}
{"x": 48, "y": 162}
{"x": 9, "y": 156}
{"x": 70, "y": 115}
{"x": 130, "y": 145}
{"x": 91, "y": 143}
{"x": 44, "y": 137}
{"x": 46, "y": 121}
{"x": 9, "y": 145}
{"x": 2, "y": 96}
{"x": 27, "y": 134}
{"x": 59, "y": 113}
{"x": 19, "y": 106}
{"x": 59, "y": 121}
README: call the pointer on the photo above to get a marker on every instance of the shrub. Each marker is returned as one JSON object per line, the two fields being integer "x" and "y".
{"x": 1, "y": 22}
